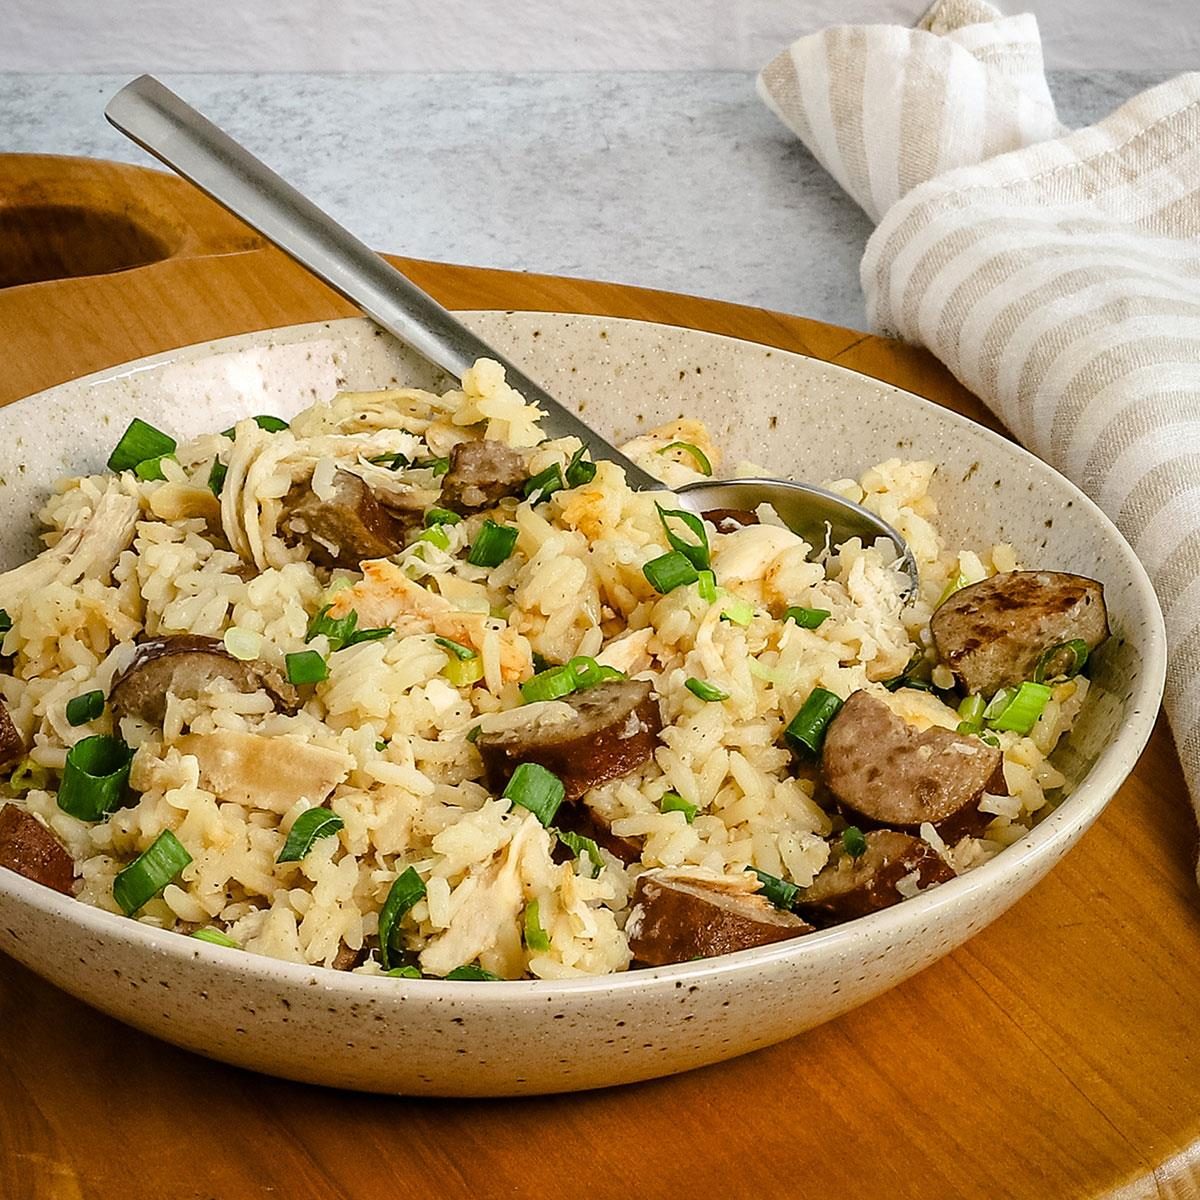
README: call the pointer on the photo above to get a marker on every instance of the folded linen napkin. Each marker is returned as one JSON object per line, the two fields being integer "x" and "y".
{"x": 1057, "y": 274}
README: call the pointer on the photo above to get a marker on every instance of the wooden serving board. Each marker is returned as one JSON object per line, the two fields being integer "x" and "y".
{"x": 1055, "y": 1055}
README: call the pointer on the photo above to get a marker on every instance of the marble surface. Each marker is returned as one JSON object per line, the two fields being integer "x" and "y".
{"x": 676, "y": 180}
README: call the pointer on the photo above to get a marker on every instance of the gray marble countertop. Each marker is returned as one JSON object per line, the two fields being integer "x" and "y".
{"x": 672, "y": 180}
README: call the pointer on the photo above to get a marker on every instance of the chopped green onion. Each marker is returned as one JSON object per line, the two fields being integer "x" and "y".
{"x": 216, "y": 937}
{"x": 536, "y": 789}
{"x": 908, "y": 677}
{"x": 670, "y": 571}
{"x": 550, "y": 684}
{"x": 989, "y": 739}
{"x": 737, "y": 611}
{"x": 436, "y": 536}
{"x": 579, "y": 846}
{"x": 342, "y": 631}
{"x": 267, "y": 423}
{"x": 439, "y": 466}
{"x": 536, "y": 937}
{"x": 702, "y": 463}
{"x": 473, "y": 733}
{"x": 957, "y": 582}
{"x": 216, "y": 476}
{"x": 381, "y": 745}
{"x": 543, "y": 485}
{"x": 807, "y": 618}
{"x": 674, "y": 802}
{"x": 707, "y": 692}
{"x": 85, "y": 708}
{"x": 456, "y": 648}
{"x": 971, "y": 710}
{"x": 706, "y": 585}
{"x": 309, "y": 827}
{"x": 6, "y": 622}
{"x": 441, "y": 516}
{"x": 150, "y": 469}
{"x": 806, "y": 732}
{"x": 780, "y": 893}
{"x": 29, "y": 776}
{"x": 588, "y": 672}
{"x": 998, "y": 703}
{"x": 94, "y": 777}
{"x": 243, "y": 644}
{"x": 1047, "y": 666}
{"x": 393, "y": 462}
{"x": 579, "y": 471}
{"x": 472, "y": 974}
{"x": 493, "y": 544}
{"x": 149, "y": 873}
{"x": 696, "y": 552}
{"x": 407, "y": 888}
{"x": 138, "y": 443}
{"x": 408, "y": 972}
{"x": 306, "y": 666}
{"x": 462, "y": 672}
{"x": 1020, "y": 713}
{"x": 853, "y": 841}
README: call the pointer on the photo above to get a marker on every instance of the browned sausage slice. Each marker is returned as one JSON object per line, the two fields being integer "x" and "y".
{"x": 186, "y": 664}
{"x": 30, "y": 849}
{"x": 675, "y": 918}
{"x": 616, "y": 727}
{"x": 12, "y": 744}
{"x": 991, "y": 634}
{"x": 481, "y": 474}
{"x": 348, "y": 528}
{"x": 849, "y": 887}
{"x": 886, "y": 771}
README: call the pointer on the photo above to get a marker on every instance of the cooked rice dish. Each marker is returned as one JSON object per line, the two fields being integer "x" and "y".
{"x": 400, "y": 687}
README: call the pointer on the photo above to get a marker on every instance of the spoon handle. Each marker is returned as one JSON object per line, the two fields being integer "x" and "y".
{"x": 174, "y": 132}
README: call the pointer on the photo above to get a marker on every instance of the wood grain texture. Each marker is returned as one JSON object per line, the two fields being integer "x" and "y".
{"x": 1057, "y": 1054}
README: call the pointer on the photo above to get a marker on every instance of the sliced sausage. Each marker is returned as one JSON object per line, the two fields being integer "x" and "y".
{"x": 615, "y": 730}
{"x": 991, "y": 634}
{"x": 849, "y": 887}
{"x": 587, "y": 822}
{"x": 30, "y": 849}
{"x": 481, "y": 474}
{"x": 887, "y": 772}
{"x": 675, "y": 918}
{"x": 12, "y": 744}
{"x": 346, "y": 959}
{"x": 186, "y": 665}
{"x": 727, "y": 520}
{"x": 348, "y": 528}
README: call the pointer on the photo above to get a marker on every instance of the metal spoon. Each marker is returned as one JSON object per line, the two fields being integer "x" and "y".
{"x": 174, "y": 132}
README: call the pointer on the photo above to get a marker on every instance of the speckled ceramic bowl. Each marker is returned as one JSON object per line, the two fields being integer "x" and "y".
{"x": 794, "y": 415}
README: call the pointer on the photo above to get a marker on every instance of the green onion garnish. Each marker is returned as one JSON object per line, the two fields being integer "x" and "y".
{"x": 737, "y": 611}
{"x": 138, "y": 443}
{"x": 1023, "y": 707}
{"x": 216, "y": 476}
{"x": 392, "y": 461}
{"x": 707, "y": 692}
{"x": 462, "y": 672}
{"x": 306, "y": 666}
{"x": 971, "y": 710}
{"x": 473, "y": 733}
{"x": 702, "y": 463}
{"x": 853, "y": 841}
{"x": 436, "y": 536}
{"x": 381, "y": 745}
{"x": 579, "y": 471}
{"x": 441, "y": 516}
{"x": 579, "y": 846}
{"x": 807, "y": 618}
{"x": 456, "y": 648}
{"x": 270, "y": 424}
{"x": 94, "y": 777}
{"x": 780, "y": 893}
{"x": 408, "y": 972}
{"x": 216, "y": 937}
{"x": 674, "y": 802}
{"x": 536, "y": 937}
{"x": 472, "y": 974}
{"x": 28, "y": 776}
{"x": 149, "y": 873}
{"x": 543, "y": 485}
{"x": 957, "y": 582}
{"x": 407, "y": 888}
{"x": 1048, "y": 665}
{"x": 670, "y": 571}
{"x": 85, "y": 708}
{"x": 6, "y": 622}
{"x": 342, "y": 631}
{"x": 309, "y": 827}
{"x": 493, "y": 544}
{"x": 989, "y": 739}
{"x": 536, "y": 789}
{"x": 550, "y": 684}
{"x": 806, "y": 731}
{"x": 697, "y": 551}
{"x": 150, "y": 469}
{"x": 998, "y": 703}
{"x": 706, "y": 586}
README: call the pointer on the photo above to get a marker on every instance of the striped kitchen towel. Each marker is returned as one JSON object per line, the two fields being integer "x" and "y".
{"x": 1057, "y": 274}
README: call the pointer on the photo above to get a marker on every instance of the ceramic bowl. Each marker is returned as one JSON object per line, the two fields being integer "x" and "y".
{"x": 795, "y": 416}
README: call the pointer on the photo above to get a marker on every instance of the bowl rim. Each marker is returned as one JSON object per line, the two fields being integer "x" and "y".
{"x": 1074, "y": 814}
